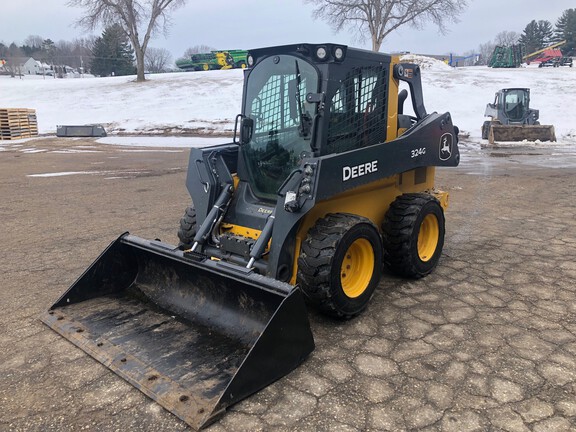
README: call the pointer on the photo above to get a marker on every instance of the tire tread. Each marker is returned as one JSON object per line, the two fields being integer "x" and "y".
{"x": 398, "y": 227}
{"x": 187, "y": 229}
{"x": 315, "y": 261}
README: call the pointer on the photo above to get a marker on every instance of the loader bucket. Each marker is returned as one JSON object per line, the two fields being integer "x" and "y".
{"x": 501, "y": 133}
{"x": 193, "y": 334}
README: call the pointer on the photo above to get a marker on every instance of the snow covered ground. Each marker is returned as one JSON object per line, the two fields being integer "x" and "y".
{"x": 207, "y": 102}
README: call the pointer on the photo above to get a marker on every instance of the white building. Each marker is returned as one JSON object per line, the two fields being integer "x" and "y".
{"x": 34, "y": 67}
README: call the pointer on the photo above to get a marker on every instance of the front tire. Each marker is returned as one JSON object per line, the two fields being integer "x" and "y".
{"x": 187, "y": 230}
{"x": 340, "y": 264}
{"x": 486, "y": 129}
{"x": 414, "y": 229}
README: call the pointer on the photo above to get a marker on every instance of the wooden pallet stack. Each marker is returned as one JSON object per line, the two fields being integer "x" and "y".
{"x": 16, "y": 123}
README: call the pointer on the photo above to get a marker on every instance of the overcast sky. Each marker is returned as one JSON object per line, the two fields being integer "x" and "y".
{"x": 244, "y": 24}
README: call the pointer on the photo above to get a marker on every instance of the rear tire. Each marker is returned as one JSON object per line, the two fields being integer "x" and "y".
{"x": 187, "y": 229}
{"x": 340, "y": 264}
{"x": 413, "y": 229}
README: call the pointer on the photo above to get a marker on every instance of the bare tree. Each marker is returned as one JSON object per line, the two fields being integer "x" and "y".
{"x": 135, "y": 16}
{"x": 379, "y": 18}
{"x": 504, "y": 38}
{"x": 14, "y": 58}
{"x": 507, "y": 38}
{"x": 82, "y": 51}
{"x": 485, "y": 50}
{"x": 157, "y": 59}
{"x": 198, "y": 49}
{"x": 63, "y": 53}
{"x": 34, "y": 41}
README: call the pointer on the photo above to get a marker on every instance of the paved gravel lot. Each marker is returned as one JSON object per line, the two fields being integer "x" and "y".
{"x": 486, "y": 343}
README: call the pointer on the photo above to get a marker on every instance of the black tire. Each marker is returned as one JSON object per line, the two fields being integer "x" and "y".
{"x": 413, "y": 237}
{"x": 336, "y": 240}
{"x": 486, "y": 129}
{"x": 187, "y": 229}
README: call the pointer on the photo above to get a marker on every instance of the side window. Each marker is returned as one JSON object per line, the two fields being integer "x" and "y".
{"x": 368, "y": 97}
{"x": 338, "y": 103}
{"x": 357, "y": 110}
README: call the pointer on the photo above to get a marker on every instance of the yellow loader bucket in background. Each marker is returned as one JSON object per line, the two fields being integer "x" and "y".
{"x": 502, "y": 133}
{"x": 193, "y": 334}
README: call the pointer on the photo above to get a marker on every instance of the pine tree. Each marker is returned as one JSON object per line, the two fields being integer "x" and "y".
{"x": 566, "y": 30}
{"x": 48, "y": 50}
{"x": 112, "y": 53}
{"x": 536, "y": 35}
{"x": 545, "y": 33}
{"x": 529, "y": 37}
{"x": 99, "y": 64}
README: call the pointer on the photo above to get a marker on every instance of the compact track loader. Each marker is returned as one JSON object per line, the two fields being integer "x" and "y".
{"x": 325, "y": 180}
{"x": 512, "y": 119}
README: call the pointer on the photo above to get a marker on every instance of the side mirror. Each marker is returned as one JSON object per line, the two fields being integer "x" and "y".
{"x": 246, "y": 130}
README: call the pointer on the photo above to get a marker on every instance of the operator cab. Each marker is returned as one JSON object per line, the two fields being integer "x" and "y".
{"x": 305, "y": 101}
{"x": 309, "y": 100}
{"x": 516, "y": 103}
{"x": 281, "y": 119}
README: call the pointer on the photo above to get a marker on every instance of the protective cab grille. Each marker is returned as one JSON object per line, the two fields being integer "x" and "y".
{"x": 358, "y": 110}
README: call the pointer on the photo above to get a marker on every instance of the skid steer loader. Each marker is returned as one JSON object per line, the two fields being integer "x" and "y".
{"x": 325, "y": 180}
{"x": 512, "y": 119}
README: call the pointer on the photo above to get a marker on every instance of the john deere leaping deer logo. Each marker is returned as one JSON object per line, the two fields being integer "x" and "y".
{"x": 445, "y": 146}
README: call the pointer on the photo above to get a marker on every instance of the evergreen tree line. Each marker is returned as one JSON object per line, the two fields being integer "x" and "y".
{"x": 540, "y": 34}
{"x": 109, "y": 54}
{"x": 537, "y": 34}
{"x": 74, "y": 54}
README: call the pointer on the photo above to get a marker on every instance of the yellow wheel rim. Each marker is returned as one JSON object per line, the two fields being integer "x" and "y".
{"x": 428, "y": 237}
{"x": 205, "y": 67}
{"x": 357, "y": 268}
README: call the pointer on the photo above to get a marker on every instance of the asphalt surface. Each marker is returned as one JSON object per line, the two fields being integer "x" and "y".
{"x": 485, "y": 343}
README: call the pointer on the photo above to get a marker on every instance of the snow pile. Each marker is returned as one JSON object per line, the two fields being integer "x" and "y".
{"x": 424, "y": 62}
{"x": 208, "y": 102}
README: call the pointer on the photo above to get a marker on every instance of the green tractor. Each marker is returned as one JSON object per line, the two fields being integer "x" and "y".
{"x": 214, "y": 60}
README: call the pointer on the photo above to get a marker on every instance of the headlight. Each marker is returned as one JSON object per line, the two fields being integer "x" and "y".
{"x": 338, "y": 53}
{"x": 321, "y": 53}
{"x": 250, "y": 61}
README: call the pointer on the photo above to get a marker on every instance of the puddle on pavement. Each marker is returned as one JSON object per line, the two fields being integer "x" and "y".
{"x": 479, "y": 157}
